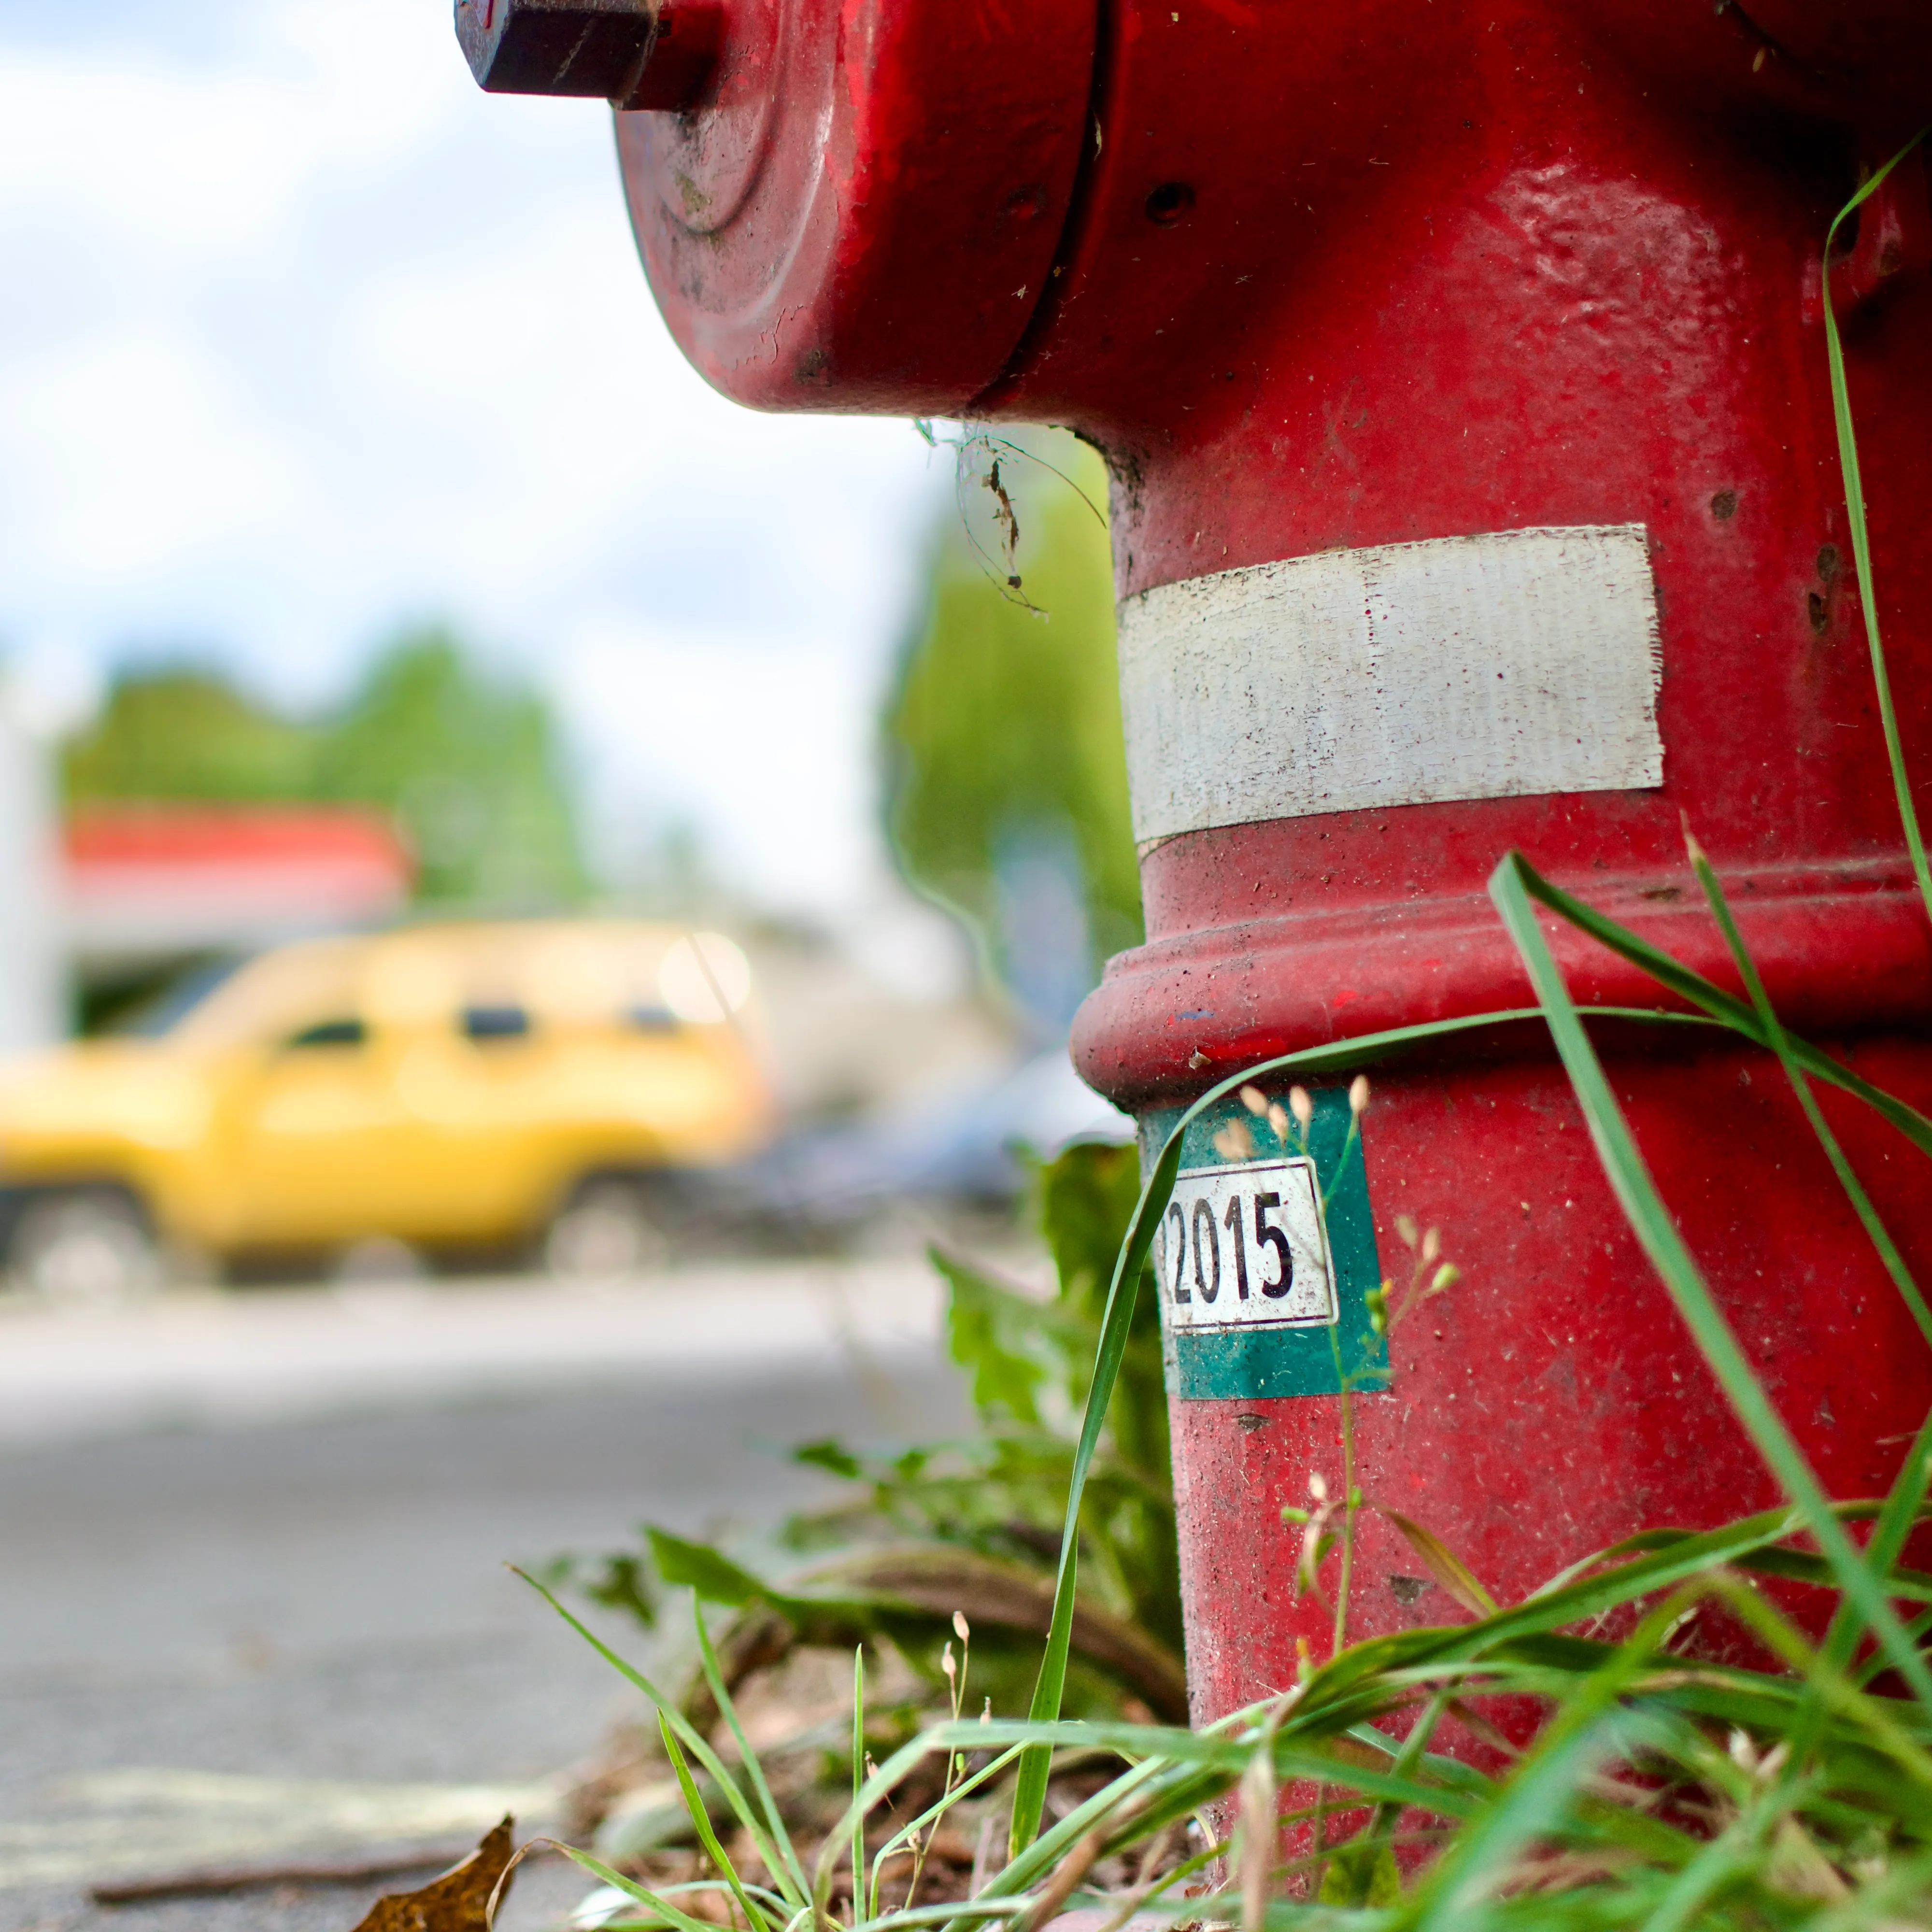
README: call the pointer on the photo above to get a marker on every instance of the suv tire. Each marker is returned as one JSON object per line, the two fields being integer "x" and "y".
{"x": 85, "y": 1248}
{"x": 605, "y": 1232}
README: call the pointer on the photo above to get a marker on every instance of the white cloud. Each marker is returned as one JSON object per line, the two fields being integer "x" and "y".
{"x": 178, "y": 163}
{"x": 765, "y": 744}
{"x": 306, "y": 337}
{"x": 129, "y": 455}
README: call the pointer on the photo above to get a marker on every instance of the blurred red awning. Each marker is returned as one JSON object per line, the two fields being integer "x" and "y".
{"x": 148, "y": 881}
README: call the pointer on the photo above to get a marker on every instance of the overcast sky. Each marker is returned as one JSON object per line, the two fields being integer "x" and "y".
{"x": 303, "y": 338}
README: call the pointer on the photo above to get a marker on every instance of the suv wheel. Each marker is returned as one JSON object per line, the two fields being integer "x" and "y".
{"x": 604, "y": 1231}
{"x": 89, "y": 1248}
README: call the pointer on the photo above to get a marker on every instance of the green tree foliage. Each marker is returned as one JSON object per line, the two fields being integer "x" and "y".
{"x": 182, "y": 734}
{"x": 467, "y": 765}
{"x": 1005, "y": 719}
{"x": 469, "y": 768}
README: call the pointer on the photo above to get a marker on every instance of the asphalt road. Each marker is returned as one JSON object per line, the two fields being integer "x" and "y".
{"x": 253, "y": 1607}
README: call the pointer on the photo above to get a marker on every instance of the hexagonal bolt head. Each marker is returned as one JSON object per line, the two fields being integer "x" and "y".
{"x": 594, "y": 48}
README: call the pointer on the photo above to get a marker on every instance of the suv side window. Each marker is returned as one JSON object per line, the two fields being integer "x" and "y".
{"x": 346, "y": 1032}
{"x": 495, "y": 1022}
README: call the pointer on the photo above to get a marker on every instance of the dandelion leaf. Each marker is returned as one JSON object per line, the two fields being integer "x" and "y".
{"x": 988, "y": 1330}
{"x": 697, "y": 1566}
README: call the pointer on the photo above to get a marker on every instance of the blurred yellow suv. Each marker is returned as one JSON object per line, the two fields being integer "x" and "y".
{"x": 482, "y": 1087}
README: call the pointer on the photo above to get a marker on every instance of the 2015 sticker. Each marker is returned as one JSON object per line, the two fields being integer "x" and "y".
{"x": 1263, "y": 1267}
{"x": 1243, "y": 1247}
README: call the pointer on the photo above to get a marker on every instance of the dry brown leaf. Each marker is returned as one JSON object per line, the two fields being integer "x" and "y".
{"x": 1564, "y": 1871}
{"x": 990, "y": 1590}
{"x": 1072, "y": 1869}
{"x": 1444, "y": 1565}
{"x": 1799, "y": 1870}
{"x": 1259, "y": 1808}
{"x": 458, "y": 1901}
{"x": 1346, "y": 1750}
{"x": 1479, "y": 1728}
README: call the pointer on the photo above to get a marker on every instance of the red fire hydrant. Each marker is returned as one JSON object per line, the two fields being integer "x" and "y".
{"x": 1460, "y": 371}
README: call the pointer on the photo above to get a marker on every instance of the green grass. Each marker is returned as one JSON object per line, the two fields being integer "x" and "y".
{"x": 1663, "y": 1790}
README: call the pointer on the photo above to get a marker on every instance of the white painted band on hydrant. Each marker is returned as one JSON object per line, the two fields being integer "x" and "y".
{"x": 1464, "y": 667}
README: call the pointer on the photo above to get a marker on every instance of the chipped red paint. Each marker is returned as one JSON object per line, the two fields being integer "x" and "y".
{"x": 1364, "y": 274}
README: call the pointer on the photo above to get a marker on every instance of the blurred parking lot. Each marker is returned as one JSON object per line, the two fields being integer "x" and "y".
{"x": 253, "y": 1611}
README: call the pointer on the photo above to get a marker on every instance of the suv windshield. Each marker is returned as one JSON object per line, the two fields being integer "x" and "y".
{"x": 161, "y": 1013}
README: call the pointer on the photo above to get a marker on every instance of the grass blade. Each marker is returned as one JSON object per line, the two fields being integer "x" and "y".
{"x": 693, "y": 1740}
{"x": 858, "y": 1783}
{"x": 1572, "y": 1745}
{"x": 1631, "y": 1180}
{"x": 791, "y": 1877}
{"x": 1725, "y": 1008}
{"x": 1854, "y": 510}
{"x": 656, "y": 1901}
{"x": 1779, "y": 1042}
{"x": 1901, "y": 1510}
{"x": 938, "y": 1810}
{"x": 700, "y": 1821}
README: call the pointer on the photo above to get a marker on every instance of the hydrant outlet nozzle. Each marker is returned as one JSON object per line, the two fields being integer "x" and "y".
{"x": 634, "y": 53}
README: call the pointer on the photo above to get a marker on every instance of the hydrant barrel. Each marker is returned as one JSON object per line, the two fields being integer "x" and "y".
{"x": 1461, "y": 373}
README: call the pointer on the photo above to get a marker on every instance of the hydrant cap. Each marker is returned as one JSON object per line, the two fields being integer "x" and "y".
{"x": 863, "y": 211}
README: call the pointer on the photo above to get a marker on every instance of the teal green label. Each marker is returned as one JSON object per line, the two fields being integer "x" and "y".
{"x": 1266, "y": 1257}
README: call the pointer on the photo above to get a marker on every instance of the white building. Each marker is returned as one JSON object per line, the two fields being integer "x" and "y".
{"x": 33, "y": 973}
